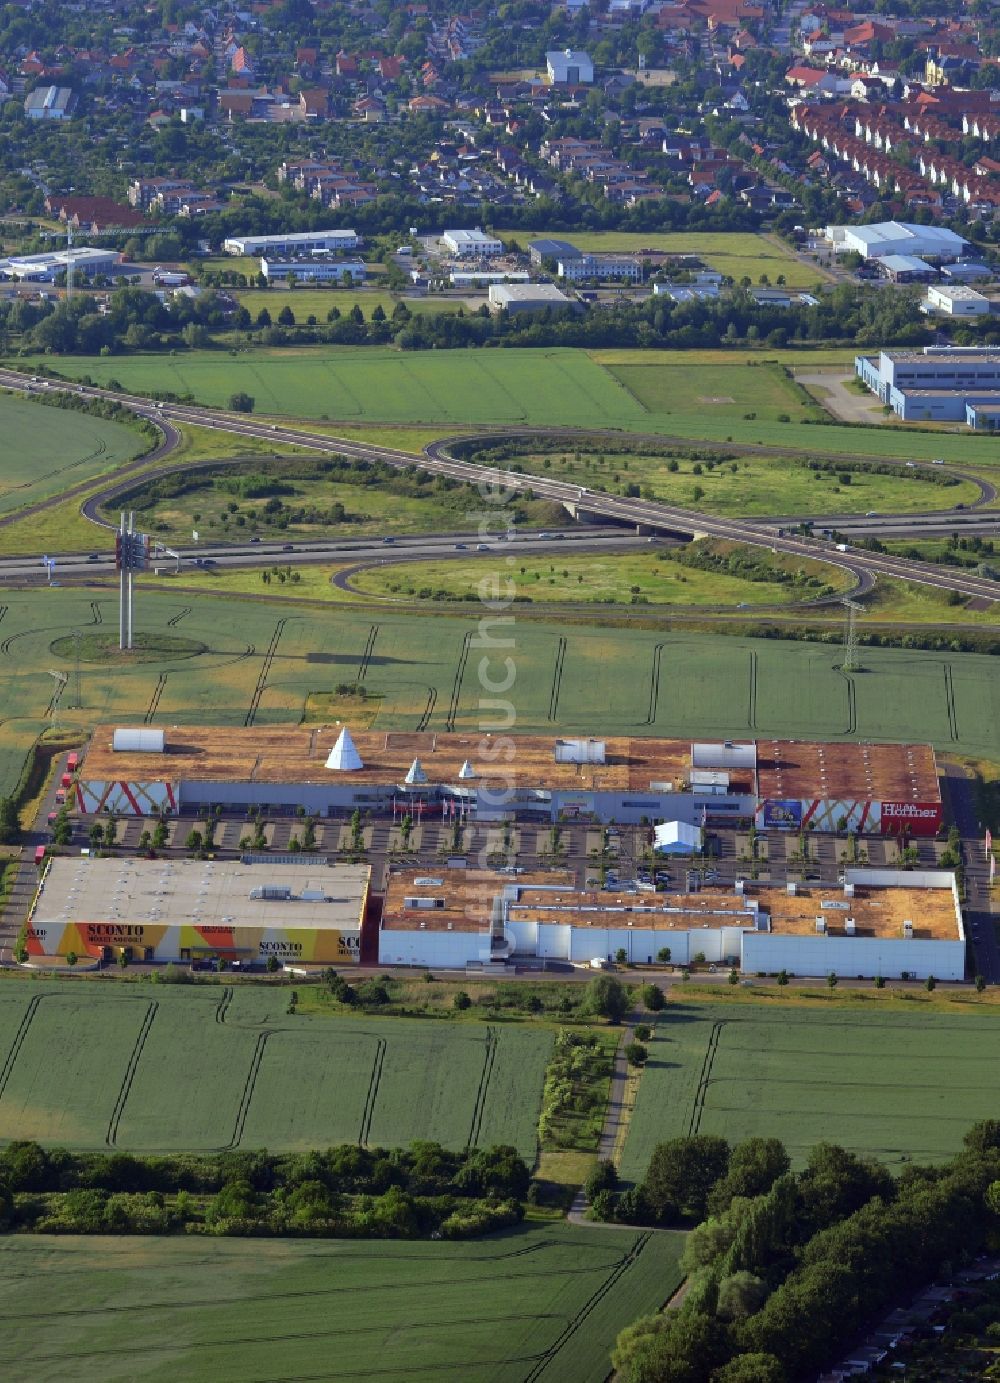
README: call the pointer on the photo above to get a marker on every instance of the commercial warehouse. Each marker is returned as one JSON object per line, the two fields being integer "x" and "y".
{"x": 878, "y": 922}
{"x": 186, "y": 910}
{"x": 888, "y": 788}
{"x": 938, "y": 383}
{"x": 292, "y": 243}
{"x": 897, "y": 238}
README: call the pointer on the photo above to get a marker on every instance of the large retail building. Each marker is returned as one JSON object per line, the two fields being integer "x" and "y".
{"x": 790, "y": 784}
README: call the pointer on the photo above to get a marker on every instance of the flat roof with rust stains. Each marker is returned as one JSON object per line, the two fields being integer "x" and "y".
{"x": 297, "y": 754}
{"x": 463, "y": 900}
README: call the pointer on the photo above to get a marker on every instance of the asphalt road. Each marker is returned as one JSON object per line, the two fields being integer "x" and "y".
{"x": 652, "y": 514}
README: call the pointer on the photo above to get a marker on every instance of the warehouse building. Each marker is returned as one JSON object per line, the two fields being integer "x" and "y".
{"x": 936, "y": 383}
{"x": 783, "y": 784}
{"x": 602, "y": 268}
{"x": 897, "y": 238}
{"x": 569, "y": 67}
{"x": 878, "y": 922}
{"x": 956, "y": 300}
{"x": 514, "y": 298}
{"x": 292, "y": 243}
{"x": 45, "y": 268}
{"x": 277, "y": 269}
{"x": 188, "y": 910}
{"x": 50, "y": 103}
{"x": 471, "y": 244}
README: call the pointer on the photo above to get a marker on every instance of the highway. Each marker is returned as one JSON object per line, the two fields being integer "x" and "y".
{"x": 640, "y": 513}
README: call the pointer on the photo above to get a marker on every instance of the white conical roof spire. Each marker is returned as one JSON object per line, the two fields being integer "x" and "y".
{"x": 344, "y": 757}
{"x": 467, "y": 771}
{"x": 416, "y": 773}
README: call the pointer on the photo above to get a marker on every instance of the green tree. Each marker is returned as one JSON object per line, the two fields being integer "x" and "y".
{"x": 754, "y": 1166}
{"x": 10, "y": 822}
{"x": 751, "y": 1368}
{"x": 652, "y": 997}
{"x": 663, "y": 955}
{"x": 740, "y": 1294}
{"x": 604, "y": 1177}
{"x": 682, "y": 1173}
{"x": 241, "y": 402}
{"x": 636, "y": 1054}
{"x": 606, "y": 996}
{"x": 674, "y": 1347}
{"x": 286, "y": 317}
{"x": 271, "y": 964}
{"x": 461, "y": 1000}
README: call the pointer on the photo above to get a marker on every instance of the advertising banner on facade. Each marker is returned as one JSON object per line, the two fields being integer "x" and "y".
{"x": 251, "y": 945}
{"x": 913, "y": 818}
{"x": 782, "y": 814}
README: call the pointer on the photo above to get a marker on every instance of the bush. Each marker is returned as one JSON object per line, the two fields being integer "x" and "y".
{"x": 643, "y": 1032}
{"x": 461, "y": 1001}
{"x": 652, "y": 996}
{"x": 604, "y": 1177}
{"x": 636, "y": 1054}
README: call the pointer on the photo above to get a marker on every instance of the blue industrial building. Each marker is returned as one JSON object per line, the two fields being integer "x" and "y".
{"x": 937, "y": 384}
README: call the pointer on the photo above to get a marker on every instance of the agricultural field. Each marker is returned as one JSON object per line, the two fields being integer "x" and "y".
{"x": 900, "y": 1086}
{"x": 601, "y": 577}
{"x": 317, "y": 302}
{"x": 552, "y": 387}
{"x": 766, "y": 393}
{"x": 45, "y": 450}
{"x": 740, "y": 254}
{"x": 543, "y": 1302}
{"x": 196, "y": 1069}
{"x": 256, "y": 661}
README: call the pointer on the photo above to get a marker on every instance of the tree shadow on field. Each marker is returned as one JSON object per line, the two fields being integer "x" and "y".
{"x": 349, "y": 659}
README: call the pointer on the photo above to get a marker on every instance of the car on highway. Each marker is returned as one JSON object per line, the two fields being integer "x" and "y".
{"x": 255, "y": 539}
{"x": 938, "y": 461}
{"x": 482, "y": 547}
{"x": 960, "y": 505}
{"x": 388, "y": 540}
{"x": 461, "y": 547}
{"x": 93, "y": 556}
{"x": 872, "y": 514}
{"x": 288, "y": 547}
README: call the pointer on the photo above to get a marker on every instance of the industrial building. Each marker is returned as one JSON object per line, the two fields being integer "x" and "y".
{"x": 471, "y": 244}
{"x": 276, "y": 269}
{"x": 569, "y": 67}
{"x": 938, "y": 383}
{"x": 877, "y": 922}
{"x": 46, "y": 268}
{"x": 897, "y": 238}
{"x": 956, "y": 300}
{"x": 513, "y": 298}
{"x": 604, "y": 268}
{"x": 292, "y": 243}
{"x": 189, "y": 910}
{"x": 50, "y": 103}
{"x": 781, "y": 784}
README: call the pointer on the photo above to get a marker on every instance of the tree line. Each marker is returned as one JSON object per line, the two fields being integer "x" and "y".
{"x": 346, "y": 1191}
{"x": 786, "y": 1267}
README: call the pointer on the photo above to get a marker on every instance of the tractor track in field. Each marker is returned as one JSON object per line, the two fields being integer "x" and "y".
{"x": 590, "y": 1305}
{"x": 654, "y": 684}
{"x": 154, "y": 700}
{"x": 175, "y": 620}
{"x": 428, "y": 711}
{"x": 705, "y": 1077}
{"x": 265, "y": 670}
{"x": 18, "y": 1042}
{"x": 248, "y": 1088}
{"x": 949, "y": 694}
{"x": 752, "y": 701}
{"x": 372, "y": 1096}
{"x": 125, "y": 1089}
{"x": 557, "y": 675}
{"x": 485, "y": 1076}
{"x": 456, "y": 689}
{"x": 96, "y": 611}
{"x": 369, "y": 649}
{"x": 224, "y": 1002}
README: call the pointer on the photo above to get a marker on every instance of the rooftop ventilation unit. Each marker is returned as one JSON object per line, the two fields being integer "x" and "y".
{"x": 791, "y": 888}
{"x": 740, "y": 886}
{"x": 848, "y": 890}
{"x": 820, "y": 926}
{"x": 580, "y": 751}
{"x": 272, "y": 892}
{"x": 467, "y": 771}
{"x": 908, "y": 929}
{"x": 140, "y": 741}
{"x": 850, "y": 926}
{"x": 416, "y": 774}
{"x": 428, "y": 883}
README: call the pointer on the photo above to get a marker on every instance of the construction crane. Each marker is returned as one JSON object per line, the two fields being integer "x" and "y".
{"x": 96, "y": 235}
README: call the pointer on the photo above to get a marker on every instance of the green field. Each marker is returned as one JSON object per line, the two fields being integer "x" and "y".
{"x": 423, "y": 676}
{"x": 559, "y": 387}
{"x": 602, "y": 577}
{"x": 194, "y": 1070}
{"x": 45, "y": 450}
{"x": 539, "y": 1303}
{"x": 318, "y": 301}
{"x": 736, "y": 253}
{"x": 782, "y": 486}
{"x": 899, "y": 1086}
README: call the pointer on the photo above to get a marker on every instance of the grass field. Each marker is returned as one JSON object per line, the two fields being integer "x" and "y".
{"x": 678, "y": 683}
{"x": 737, "y": 253}
{"x": 45, "y": 450}
{"x": 751, "y": 485}
{"x": 897, "y": 1085}
{"x": 318, "y": 301}
{"x": 598, "y": 577}
{"x": 541, "y": 1303}
{"x": 177, "y": 1069}
{"x": 537, "y": 387}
